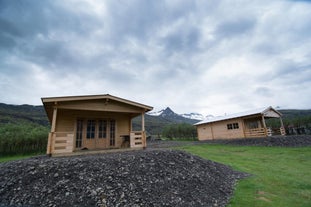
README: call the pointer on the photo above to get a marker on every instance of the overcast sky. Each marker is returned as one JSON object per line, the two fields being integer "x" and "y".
{"x": 205, "y": 56}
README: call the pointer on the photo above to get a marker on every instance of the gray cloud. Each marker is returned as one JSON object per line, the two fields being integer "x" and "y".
{"x": 194, "y": 56}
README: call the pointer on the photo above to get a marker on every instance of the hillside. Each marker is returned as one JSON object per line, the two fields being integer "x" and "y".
{"x": 154, "y": 122}
{"x": 17, "y": 114}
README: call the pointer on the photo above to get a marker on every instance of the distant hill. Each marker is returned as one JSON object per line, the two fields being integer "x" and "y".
{"x": 154, "y": 121}
{"x": 16, "y": 114}
{"x": 295, "y": 113}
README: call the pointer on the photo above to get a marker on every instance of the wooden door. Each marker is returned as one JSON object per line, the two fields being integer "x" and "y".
{"x": 89, "y": 141}
{"x": 101, "y": 136}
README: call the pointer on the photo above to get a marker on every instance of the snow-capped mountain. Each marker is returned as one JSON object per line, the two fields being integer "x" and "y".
{"x": 163, "y": 112}
{"x": 169, "y": 113}
{"x": 195, "y": 116}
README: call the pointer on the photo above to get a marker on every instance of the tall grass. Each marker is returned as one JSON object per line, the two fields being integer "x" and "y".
{"x": 18, "y": 139}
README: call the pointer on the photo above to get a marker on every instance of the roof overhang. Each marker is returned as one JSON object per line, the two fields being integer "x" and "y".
{"x": 76, "y": 103}
{"x": 268, "y": 112}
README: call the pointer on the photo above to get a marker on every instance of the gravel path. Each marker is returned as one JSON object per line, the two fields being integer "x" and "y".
{"x": 136, "y": 178}
{"x": 276, "y": 141}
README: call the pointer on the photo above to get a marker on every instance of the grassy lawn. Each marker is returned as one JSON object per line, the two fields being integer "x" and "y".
{"x": 281, "y": 176}
{"x": 15, "y": 157}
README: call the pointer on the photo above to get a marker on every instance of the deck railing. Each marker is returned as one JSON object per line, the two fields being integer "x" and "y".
{"x": 257, "y": 132}
{"x": 277, "y": 131}
{"x": 60, "y": 142}
{"x": 261, "y": 132}
{"x": 137, "y": 139}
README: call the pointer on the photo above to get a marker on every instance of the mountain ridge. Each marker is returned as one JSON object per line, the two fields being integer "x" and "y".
{"x": 154, "y": 124}
{"x": 169, "y": 112}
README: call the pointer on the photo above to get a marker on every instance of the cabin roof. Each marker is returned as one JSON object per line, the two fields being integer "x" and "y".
{"x": 259, "y": 111}
{"x": 52, "y": 100}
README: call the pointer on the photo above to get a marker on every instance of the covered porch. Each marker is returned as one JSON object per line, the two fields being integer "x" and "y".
{"x": 256, "y": 125}
{"x": 92, "y": 123}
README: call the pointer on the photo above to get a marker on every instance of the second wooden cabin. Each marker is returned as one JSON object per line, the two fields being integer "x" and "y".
{"x": 241, "y": 125}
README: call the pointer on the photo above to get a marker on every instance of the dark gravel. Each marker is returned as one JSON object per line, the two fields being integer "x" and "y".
{"x": 136, "y": 178}
{"x": 276, "y": 141}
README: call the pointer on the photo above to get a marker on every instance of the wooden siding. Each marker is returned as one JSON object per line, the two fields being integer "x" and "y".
{"x": 205, "y": 132}
{"x": 219, "y": 130}
{"x": 66, "y": 121}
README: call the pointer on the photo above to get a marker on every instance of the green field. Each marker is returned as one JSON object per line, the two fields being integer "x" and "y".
{"x": 15, "y": 157}
{"x": 281, "y": 176}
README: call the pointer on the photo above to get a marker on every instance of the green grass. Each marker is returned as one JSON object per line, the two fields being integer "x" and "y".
{"x": 281, "y": 176}
{"x": 15, "y": 157}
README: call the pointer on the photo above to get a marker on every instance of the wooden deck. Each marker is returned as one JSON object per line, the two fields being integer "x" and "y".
{"x": 94, "y": 152}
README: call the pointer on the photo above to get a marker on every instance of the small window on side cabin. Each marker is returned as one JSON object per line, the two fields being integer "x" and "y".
{"x": 235, "y": 125}
{"x": 232, "y": 126}
{"x": 90, "y": 130}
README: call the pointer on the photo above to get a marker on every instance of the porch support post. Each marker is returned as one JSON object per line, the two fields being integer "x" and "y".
{"x": 143, "y": 129}
{"x": 282, "y": 129}
{"x": 52, "y": 134}
{"x": 264, "y": 125}
{"x": 282, "y": 125}
{"x": 143, "y": 121}
{"x": 130, "y": 124}
{"x": 53, "y": 127}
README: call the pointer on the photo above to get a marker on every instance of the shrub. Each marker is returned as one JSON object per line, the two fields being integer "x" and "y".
{"x": 22, "y": 139}
{"x": 180, "y": 131}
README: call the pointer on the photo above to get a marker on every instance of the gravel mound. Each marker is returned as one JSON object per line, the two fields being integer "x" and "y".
{"x": 136, "y": 178}
{"x": 280, "y": 141}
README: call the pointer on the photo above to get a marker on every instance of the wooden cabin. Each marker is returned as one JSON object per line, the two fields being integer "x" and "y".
{"x": 240, "y": 125}
{"x": 93, "y": 122}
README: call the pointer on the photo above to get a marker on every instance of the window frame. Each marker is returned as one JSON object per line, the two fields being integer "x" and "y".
{"x": 232, "y": 126}
{"x": 90, "y": 129}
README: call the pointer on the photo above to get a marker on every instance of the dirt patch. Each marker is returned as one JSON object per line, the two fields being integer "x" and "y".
{"x": 137, "y": 178}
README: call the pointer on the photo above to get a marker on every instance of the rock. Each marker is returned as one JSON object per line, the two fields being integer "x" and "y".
{"x": 136, "y": 178}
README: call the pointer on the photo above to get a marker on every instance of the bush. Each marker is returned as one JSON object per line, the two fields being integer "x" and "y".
{"x": 23, "y": 139}
{"x": 182, "y": 131}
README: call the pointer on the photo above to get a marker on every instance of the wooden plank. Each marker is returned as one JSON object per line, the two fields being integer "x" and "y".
{"x": 53, "y": 127}
{"x": 49, "y": 145}
{"x": 63, "y": 151}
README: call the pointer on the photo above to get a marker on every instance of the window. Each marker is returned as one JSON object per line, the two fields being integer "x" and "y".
{"x": 90, "y": 131}
{"x": 253, "y": 124}
{"x": 102, "y": 129}
{"x": 235, "y": 125}
{"x": 232, "y": 126}
{"x": 79, "y": 133}
{"x": 112, "y": 132}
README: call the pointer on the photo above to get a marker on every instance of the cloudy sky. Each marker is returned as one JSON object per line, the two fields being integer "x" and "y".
{"x": 205, "y": 56}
